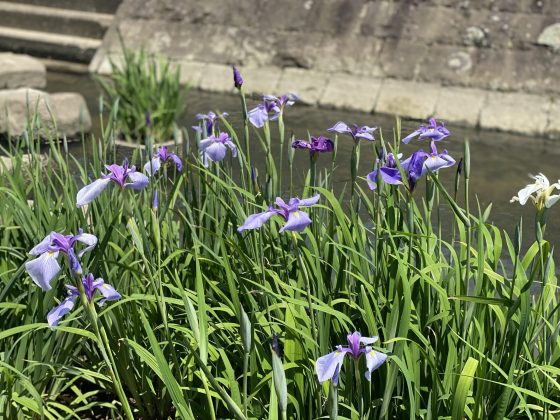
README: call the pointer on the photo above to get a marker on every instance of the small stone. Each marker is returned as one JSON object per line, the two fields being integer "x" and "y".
{"x": 20, "y": 70}
{"x": 65, "y": 111}
{"x": 550, "y": 37}
{"x": 460, "y": 62}
{"x": 71, "y": 114}
{"x": 475, "y": 36}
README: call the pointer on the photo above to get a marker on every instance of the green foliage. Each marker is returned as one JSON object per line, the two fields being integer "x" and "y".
{"x": 450, "y": 298}
{"x": 146, "y": 96}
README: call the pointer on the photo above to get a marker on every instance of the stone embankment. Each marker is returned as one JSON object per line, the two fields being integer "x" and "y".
{"x": 492, "y": 64}
{"x": 23, "y": 103}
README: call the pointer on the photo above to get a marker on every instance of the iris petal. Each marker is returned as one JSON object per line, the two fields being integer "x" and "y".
{"x": 297, "y": 221}
{"x": 139, "y": 181}
{"x": 56, "y": 313}
{"x": 43, "y": 269}
{"x": 152, "y": 166}
{"x": 374, "y": 359}
{"x": 328, "y": 366}
{"x": 255, "y": 221}
{"x": 88, "y": 193}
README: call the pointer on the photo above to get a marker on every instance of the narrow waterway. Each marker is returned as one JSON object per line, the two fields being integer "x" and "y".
{"x": 500, "y": 163}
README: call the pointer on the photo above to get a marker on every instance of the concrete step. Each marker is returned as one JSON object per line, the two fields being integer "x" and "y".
{"x": 55, "y": 20}
{"x": 44, "y": 44}
{"x": 98, "y": 6}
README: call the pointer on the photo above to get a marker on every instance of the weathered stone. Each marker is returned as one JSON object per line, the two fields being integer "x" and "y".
{"x": 515, "y": 112}
{"x": 307, "y": 84}
{"x": 350, "y": 54}
{"x": 532, "y": 70}
{"x": 19, "y": 70}
{"x": 551, "y": 37}
{"x": 19, "y": 107}
{"x": 191, "y": 72}
{"x": 433, "y": 25}
{"x": 217, "y": 78}
{"x": 261, "y": 80}
{"x": 297, "y": 50}
{"x": 448, "y": 65}
{"x": 402, "y": 59}
{"x": 384, "y": 19}
{"x": 461, "y": 106}
{"x": 553, "y": 124}
{"x": 71, "y": 114}
{"x": 351, "y": 92}
{"x": 337, "y": 17}
{"x": 407, "y": 99}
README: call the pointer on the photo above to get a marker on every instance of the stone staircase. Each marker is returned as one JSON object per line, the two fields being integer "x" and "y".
{"x": 67, "y": 30}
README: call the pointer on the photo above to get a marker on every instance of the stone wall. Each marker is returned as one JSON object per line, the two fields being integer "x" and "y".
{"x": 474, "y": 62}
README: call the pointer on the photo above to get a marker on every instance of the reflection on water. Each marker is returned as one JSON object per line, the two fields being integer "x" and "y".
{"x": 500, "y": 163}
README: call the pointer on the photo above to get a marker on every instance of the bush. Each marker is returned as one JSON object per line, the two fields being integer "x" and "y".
{"x": 146, "y": 96}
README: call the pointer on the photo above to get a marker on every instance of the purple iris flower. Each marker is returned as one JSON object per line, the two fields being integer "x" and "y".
{"x": 433, "y": 132}
{"x": 285, "y": 100}
{"x": 296, "y": 220}
{"x": 390, "y": 162}
{"x": 237, "y": 79}
{"x": 415, "y": 167}
{"x": 124, "y": 176}
{"x": 328, "y": 367}
{"x": 90, "y": 286}
{"x": 209, "y": 121}
{"x": 214, "y": 148}
{"x": 162, "y": 156}
{"x": 317, "y": 145}
{"x": 262, "y": 113}
{"x": 45, "y": 268}
{"x": 355, "y": 131}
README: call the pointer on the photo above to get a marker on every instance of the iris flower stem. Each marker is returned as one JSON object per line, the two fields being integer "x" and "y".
{"x": 104, "y": 347}
{"x": 281, "y": 165}
{"x": 245, "y": 378}
{"x": 358, "y": 393}
{"x": 245, "y": 126}
{"x": 315, "y": 330}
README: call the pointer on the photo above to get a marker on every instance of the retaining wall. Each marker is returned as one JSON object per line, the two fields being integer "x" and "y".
{"x": 487, "y": 63}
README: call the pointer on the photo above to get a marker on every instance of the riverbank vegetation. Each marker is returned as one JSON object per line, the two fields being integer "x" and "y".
{"x": 228, "y": 283}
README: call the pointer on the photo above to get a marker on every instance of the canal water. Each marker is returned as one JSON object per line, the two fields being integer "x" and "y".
{"x": 500, "y": 163}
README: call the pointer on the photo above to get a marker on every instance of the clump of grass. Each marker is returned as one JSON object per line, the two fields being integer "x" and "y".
{"x": 146, "y": 96}
{"x": 230, "y": 324}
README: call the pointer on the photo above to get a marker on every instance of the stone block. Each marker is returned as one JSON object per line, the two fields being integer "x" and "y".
{"x": 19, "y": 70}
{"x": 297, "y": 49}
{"x": 384, "y": 19}
{"x": 337, "y": 17}
{"x": 353, "y": 54}
{"x": 217, "y": 78}
{"x": 261, "y": 80}
{"x": 68, "y": 111}
{"x": 309, "y": 85}
{"x": 461, "y": 106}
{"x": 449, "y": 65}
{"x": 532, "y": 70}
{"x": 402, "y": 59}
{"x": 71, "y": 114}
{"x": 408, "y": 99}
{"x": 351, "y": 92}
{"x": 429, "y": 24}
{"x": 191, "y": 72}
{"x": 515, "y": 112}
{"x": 553, "y": 124}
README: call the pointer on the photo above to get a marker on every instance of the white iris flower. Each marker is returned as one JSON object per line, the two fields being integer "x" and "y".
{"x": 540, "y": 192}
